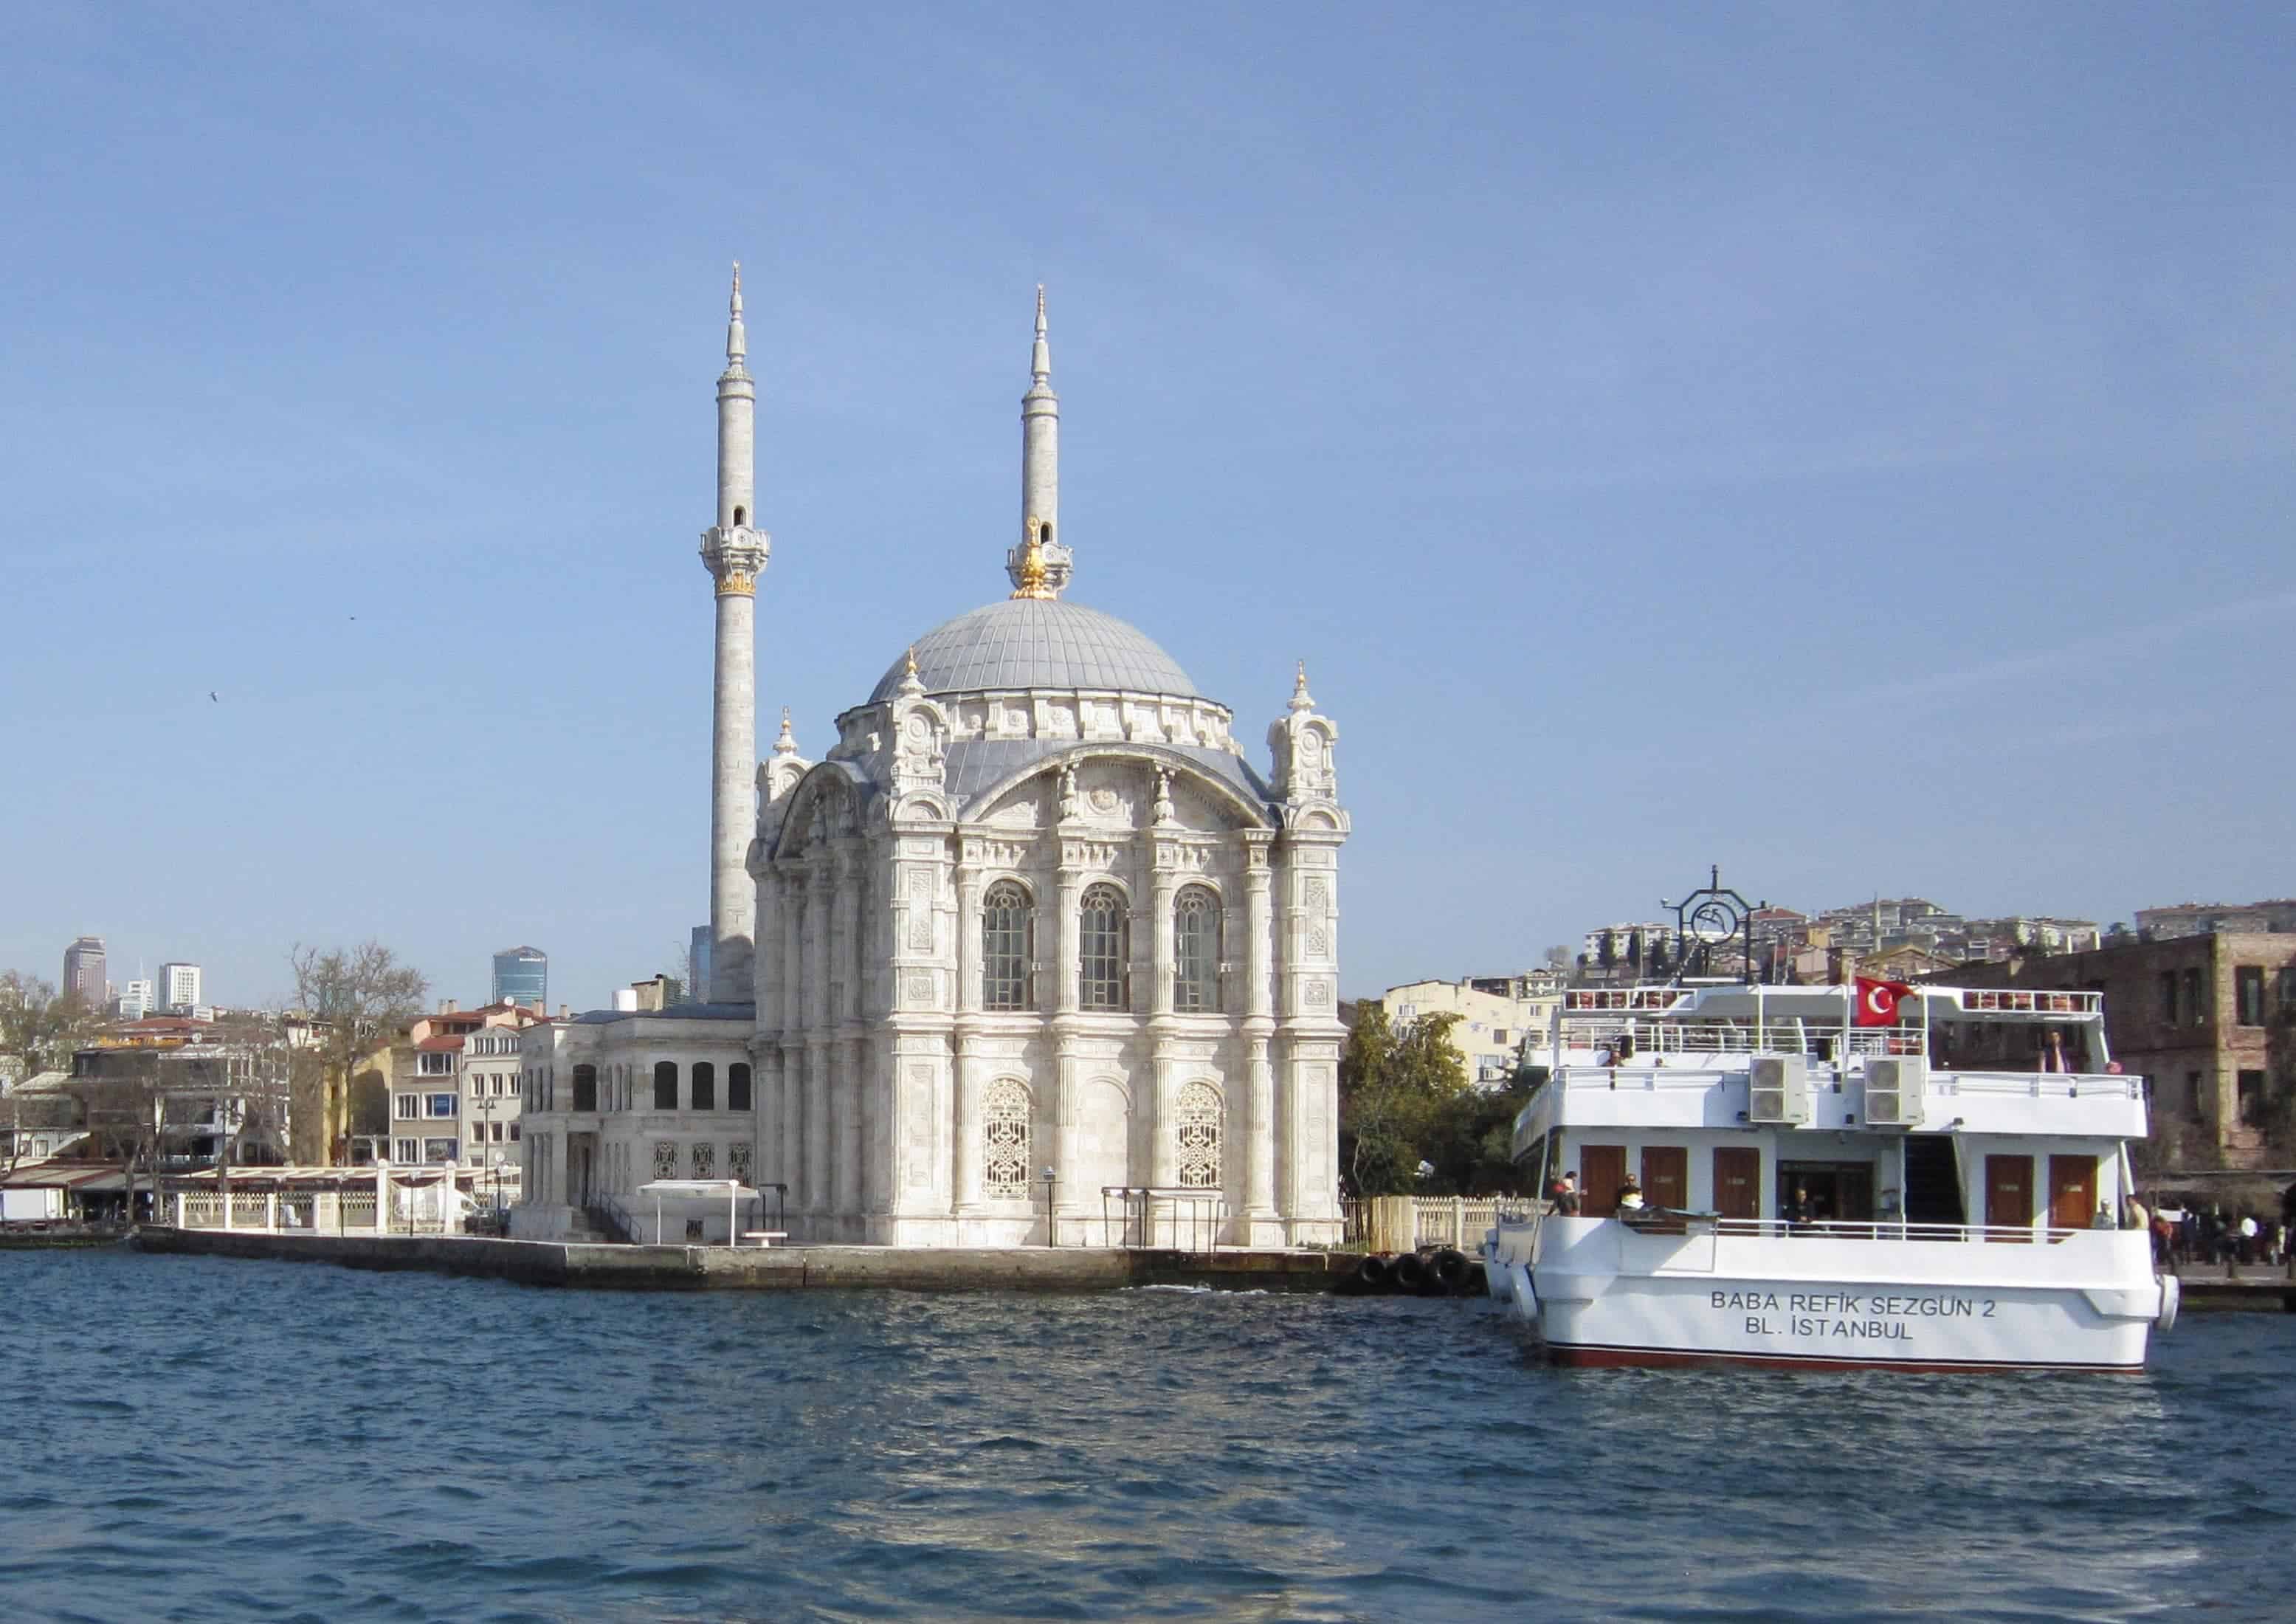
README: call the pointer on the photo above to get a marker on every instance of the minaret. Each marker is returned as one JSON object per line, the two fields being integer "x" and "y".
{"x": 735, "y": 552}
{"x": 1040, "y": 478}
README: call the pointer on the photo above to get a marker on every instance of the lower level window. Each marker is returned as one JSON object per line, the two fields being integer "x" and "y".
{"x": 407, "y": 1150}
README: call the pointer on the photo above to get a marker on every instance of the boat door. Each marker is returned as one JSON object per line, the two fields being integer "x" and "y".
{"x": 1602, "y": 1170}
{"x": 1666, "y": 1176}
{"x": 2008, "y": 1194}
{"x": 1738, "y": 1181}
{"x": 2072, "y": 1192}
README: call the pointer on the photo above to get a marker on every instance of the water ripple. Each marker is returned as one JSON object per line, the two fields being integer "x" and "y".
{"x": 211, "y": 1440}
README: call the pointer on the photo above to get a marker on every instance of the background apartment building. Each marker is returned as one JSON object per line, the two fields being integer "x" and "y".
{"x": 83, "y": 972}
{"x": 434, "y": 1115}
{"x": 2201, "y": 1016}
{"x": 180, "y": 988}
{"x": 523, "y": 976}
{"x": 1496, "y": 1015}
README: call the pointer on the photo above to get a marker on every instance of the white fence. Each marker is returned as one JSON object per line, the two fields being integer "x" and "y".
{"x": 1404, "y": 1222}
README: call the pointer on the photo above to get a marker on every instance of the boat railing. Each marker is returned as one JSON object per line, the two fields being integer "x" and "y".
{"x": 1662, "y": 1221}
{"x": 1744, "y": 1037}
{"x": 1638, "y": 1074}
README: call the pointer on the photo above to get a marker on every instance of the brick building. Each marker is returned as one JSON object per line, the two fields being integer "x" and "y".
{"x": 2197, "y": 1014}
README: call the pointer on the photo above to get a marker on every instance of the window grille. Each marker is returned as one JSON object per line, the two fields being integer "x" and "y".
{"x": 737, "y": 1160}
{"x": 1101, "y": 949}
{"x": 1008, "y": 931}
{"x": 1196, "y": 951}
{"x": 665, "y": 1159}
{"x": 705, "y": 1160}
{"x": 1199, "y": 1137}
{"x": 1004, "y": 1140}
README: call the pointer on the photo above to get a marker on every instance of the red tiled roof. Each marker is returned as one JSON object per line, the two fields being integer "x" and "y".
{"x": 445, "y": 1043}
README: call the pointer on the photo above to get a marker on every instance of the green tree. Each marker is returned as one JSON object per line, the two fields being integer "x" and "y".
{"x": 1397, "y": 1084}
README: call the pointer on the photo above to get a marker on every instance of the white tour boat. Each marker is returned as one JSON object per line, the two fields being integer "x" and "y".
{"x": 1935, "y": 1180}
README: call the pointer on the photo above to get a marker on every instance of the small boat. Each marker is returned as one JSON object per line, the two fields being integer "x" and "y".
{"x": 1874, "y": 1176}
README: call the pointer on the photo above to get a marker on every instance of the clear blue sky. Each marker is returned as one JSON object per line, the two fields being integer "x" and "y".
{"x": 1848, "y": 443}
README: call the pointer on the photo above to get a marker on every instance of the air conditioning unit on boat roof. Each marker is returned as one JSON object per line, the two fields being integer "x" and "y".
{"x": 1777, "y": 1090}
{"x": 1894, "y": 1087}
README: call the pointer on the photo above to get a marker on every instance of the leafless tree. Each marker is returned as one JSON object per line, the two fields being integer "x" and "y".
{"x": 38, "y": 1031}
{"x": 357, "y": 998}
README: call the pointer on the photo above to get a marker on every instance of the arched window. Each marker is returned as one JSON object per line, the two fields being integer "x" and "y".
{"x": 1196, "y": 951}
{"x": 1101, "y": 949}
{"x": 737, "y": 1086}
{"x": 705, "y": 1087}
{"x": 1008, "y": 943}
{"x": 665, "y": 1088}
{"x": 1199, "y": 1137}
{"x": 585, "y": 1088}
{"x": 741, "y": 516}
{"x": 1004, "y": 1140}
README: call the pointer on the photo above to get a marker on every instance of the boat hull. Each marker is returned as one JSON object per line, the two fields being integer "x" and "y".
{"x": 1602, "y": 1294}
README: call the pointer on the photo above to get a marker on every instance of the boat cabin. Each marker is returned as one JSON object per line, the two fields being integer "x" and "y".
{"x": 1947, "y": 1113}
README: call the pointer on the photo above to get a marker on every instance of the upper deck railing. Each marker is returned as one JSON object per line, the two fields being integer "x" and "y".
{"x": 1638, "y": 1075}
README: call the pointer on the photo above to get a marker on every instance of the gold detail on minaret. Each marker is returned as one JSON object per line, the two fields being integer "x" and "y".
{"x": 1033, "y": 573}
{"x": 735, "y": 582}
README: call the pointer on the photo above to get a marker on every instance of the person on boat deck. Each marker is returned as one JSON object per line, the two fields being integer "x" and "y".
{"x": 2104, "y": 1218}
{"x": 1798, "y": 1211}
{"x": 1566, "y": 1195}
{"x": 1630, "y": 1195}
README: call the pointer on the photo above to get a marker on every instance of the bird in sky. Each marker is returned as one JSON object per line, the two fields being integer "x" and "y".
{"x": 211, "y": 695}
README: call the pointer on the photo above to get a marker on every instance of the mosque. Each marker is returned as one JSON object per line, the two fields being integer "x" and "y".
{"x": 1031, "y": 944}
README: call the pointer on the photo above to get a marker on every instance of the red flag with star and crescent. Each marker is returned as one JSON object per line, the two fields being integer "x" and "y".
{"x": 1877, "y": 1001}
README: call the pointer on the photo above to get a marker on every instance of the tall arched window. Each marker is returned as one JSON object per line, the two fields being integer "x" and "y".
{"x": 1004, "y": 1140}
{"x": 1008, "y": 943}
{"x": 737, "y": 1086}
{"x": 1101, "y": 949}
{"x": 665, "y": 1088}
{"x": 1196, "y": 951}
{"x": 705, "y": 1086}
{"x": 585, "y": 1088}
{"x": 1199, "y": 1137}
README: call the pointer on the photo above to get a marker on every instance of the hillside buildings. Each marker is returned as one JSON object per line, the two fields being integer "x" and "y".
{"x": 1031, "y": 928}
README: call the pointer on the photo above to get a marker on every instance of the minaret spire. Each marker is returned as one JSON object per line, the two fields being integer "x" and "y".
{"x": 734, "y": 551}
{"x": 737, "y": 338}
{"x": 1040, "y": 479}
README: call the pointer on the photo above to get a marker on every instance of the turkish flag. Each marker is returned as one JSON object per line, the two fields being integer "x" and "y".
{"x": 1877, "y": 1001}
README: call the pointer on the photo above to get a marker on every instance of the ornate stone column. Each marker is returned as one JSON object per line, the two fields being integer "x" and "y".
{"x": 968, "y": 939}
{"x": 1261, "y": 1130}
{"x": 966, "y": 1195}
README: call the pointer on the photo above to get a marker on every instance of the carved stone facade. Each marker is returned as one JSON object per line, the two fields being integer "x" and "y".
{"x": 892, "y": 1054}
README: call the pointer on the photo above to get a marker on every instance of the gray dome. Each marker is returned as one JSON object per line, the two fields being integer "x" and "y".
{"x": 1038, "y": 642}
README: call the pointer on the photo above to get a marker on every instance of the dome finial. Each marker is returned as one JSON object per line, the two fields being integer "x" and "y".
{"x": 1301, "y": 700}
{"x": 785, "y": 742}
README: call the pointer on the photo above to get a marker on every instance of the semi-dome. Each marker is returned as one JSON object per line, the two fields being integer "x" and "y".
{"x": 1038, "y": 642}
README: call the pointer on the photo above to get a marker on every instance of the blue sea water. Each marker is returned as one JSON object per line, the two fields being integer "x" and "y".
{"x": 201, "y": 1439}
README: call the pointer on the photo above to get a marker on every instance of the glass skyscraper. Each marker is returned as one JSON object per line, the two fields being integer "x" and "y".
{"x": 523, "y": 976}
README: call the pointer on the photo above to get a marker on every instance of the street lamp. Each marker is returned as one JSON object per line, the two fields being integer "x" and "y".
{"x": 1052, "y": 1228}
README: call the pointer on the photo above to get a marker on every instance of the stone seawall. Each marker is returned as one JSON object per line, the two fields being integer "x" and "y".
{"x": 692, "y": 1268}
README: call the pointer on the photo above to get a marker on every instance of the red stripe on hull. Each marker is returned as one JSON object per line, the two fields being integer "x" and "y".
{"x": 1592, "y": 1357}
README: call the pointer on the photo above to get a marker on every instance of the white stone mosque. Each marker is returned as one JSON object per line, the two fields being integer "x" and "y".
{"x": 1032, "y": 946}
